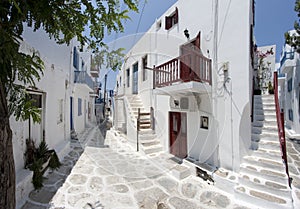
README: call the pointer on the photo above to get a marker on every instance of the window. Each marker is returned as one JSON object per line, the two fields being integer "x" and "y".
{"x": 158, "y": 25}
{"x": 75, "y": 58}
{"x": 171, "y": 20}
{"x": 120, "y": 81}
{"x": 79, "y": 106}
{"x": 128, "y": 77}
{"x": 60, "y": 111}
{"x": 36, "y": 100}
{"x": 82, "y": 65}
{"x": 290, "y": 84}
{"x": 291, "y": 115}
{"x": 144, "y": 61}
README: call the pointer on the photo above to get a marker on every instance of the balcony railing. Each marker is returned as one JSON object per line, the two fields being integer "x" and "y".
{"x": 84, "y": 78}
{"x": 287, "y": 56}
{"x": 189, "y": 67}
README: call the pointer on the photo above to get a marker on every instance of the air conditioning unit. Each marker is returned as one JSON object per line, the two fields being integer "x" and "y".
{"x": 184, "y": 103}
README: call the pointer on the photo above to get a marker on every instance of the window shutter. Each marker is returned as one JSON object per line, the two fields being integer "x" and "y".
{"x": 75, "y": 57}
{"x": 176, "y": 16}
{"x": 168, "y": 23}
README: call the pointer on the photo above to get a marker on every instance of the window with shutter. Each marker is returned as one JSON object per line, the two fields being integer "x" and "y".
{"x": 168, "y": 23}
{"x": 75, "y": 58}
{"x": 171, "y": 20}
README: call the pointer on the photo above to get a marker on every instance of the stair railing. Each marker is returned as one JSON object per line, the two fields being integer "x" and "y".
{"x": 138, "y": 129}
{"x": 280, "y": 125}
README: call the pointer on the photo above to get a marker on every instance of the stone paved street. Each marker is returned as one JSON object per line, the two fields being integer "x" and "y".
{"x": 113, "y": 175}
{"x": 116, "y": 176}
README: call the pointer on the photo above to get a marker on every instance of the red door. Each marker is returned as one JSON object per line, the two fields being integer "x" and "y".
{"x": 178, "y": 134}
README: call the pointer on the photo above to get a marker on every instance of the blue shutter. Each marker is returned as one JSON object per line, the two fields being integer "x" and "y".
{"x": 75, "y": 58}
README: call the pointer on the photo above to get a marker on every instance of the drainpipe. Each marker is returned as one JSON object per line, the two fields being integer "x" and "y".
{"x": 215, "y": 70}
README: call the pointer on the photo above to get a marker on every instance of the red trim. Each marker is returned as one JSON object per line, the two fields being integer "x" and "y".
{"x": 280, "y": 125}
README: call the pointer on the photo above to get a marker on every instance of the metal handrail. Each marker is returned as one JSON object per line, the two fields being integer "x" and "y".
{"x": 280, "y": 125}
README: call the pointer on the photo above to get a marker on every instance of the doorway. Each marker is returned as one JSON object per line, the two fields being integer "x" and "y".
{"x": 71, "y": 114}
{"x": 178, "y": 134}
{"x": 135, "y": 79}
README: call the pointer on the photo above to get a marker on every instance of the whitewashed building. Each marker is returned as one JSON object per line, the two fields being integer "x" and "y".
{"x": 65, "y": 95}
{"x": 289, "y": 80}
{"x": 192, "y": 71}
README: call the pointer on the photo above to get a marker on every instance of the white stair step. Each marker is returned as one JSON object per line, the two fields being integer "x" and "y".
{"x": 264, "y": 163}
{"x": 151, "y": 149}
{"x": 260, "y": 199}
{"x": 147, "y": 143}
{"x": 146, "y": 136}
{"x": 259, "y": 172}
{"x": 260, "y": 184}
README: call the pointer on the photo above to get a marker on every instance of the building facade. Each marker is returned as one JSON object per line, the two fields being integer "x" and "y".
{"x": 65, "y": 95}
{"x": 289, "y": 80}
{"x": 193, "y": 68}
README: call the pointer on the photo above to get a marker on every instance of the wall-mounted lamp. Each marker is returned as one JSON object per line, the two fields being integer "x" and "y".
{"x": 186, "y": 33}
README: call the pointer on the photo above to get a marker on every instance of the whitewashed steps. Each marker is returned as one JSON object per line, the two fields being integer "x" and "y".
{"x": 262, "y": 180}
{"x": 149, "y": 144}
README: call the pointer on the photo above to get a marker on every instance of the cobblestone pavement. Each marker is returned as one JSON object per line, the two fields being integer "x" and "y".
{"x": 293, "y": 153}
{"x": 113, "y": 175}
{"x": 116, "y": 176}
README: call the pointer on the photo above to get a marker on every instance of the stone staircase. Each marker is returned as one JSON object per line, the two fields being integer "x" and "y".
{"x": 262, "y": 180}
{"x": 149, "y": 144}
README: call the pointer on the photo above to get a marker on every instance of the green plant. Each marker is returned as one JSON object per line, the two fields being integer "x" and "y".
{"x": 36, "y": 159}
{"x": 54, "y": 161}
{"x": 270, "y": 88}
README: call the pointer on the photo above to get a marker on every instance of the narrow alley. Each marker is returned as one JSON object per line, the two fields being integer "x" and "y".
{"x": 114, "y": 175}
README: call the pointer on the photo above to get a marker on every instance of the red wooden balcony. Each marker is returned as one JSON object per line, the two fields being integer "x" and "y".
{"x": 186, "y": 68}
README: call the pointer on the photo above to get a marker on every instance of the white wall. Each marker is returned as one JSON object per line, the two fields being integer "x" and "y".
{"x": 229, "y": 107}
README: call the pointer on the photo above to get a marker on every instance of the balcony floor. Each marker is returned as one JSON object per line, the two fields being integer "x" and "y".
{"x": 185, "y": 88}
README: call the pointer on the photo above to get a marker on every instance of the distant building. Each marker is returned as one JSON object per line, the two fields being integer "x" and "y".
{"x": 289, "y": 77}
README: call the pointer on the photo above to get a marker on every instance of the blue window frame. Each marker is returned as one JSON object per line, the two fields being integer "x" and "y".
{"x": 291, "y": 118}
{"x": 79, "y": 106}
{"x": 75, "y": 58}
{"x": 290, "y": 84}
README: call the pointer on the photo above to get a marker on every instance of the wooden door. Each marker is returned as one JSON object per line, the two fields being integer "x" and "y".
{"x": 178, "y": 134}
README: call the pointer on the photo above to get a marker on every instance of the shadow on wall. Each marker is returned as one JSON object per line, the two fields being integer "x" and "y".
{"x": 244, "y": 129}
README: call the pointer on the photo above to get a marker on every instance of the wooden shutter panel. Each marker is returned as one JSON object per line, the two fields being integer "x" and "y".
{"x": 168, "y": 23}
{"x": 176, "y": 16}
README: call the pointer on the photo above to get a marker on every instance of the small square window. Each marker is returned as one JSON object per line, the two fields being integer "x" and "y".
{"x": 171, "y": 20}
{"x": 158, "y": 25}
{"x": 204, "y": 122}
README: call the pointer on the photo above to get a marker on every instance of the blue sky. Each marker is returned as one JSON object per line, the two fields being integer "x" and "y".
{"x": 272, "y": 19}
